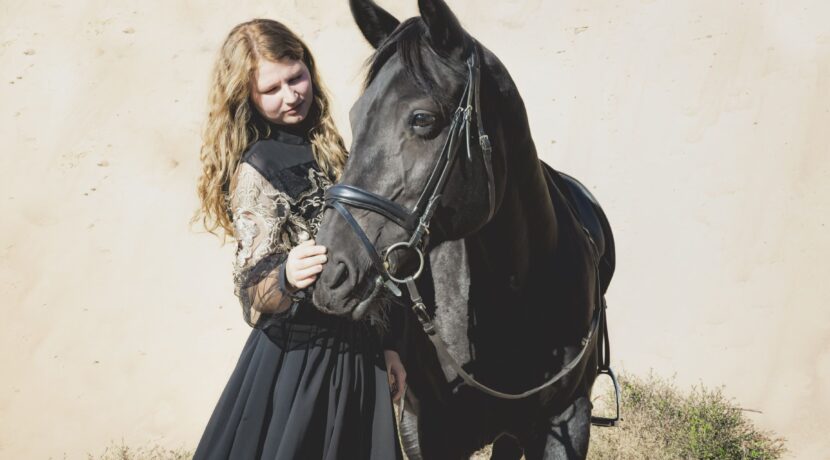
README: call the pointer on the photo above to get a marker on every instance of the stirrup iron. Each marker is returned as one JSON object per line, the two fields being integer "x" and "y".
{"x": 612, "y": 421}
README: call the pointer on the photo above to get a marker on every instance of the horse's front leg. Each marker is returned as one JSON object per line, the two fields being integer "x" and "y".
{"x": 562, "y": 436}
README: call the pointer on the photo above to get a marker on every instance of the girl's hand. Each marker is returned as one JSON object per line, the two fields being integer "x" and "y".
{"x": 305, "y": 262}
{"x": 396, "y": 374}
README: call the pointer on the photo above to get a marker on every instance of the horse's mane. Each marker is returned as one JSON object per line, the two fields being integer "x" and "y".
{"x": 410, "y": 41}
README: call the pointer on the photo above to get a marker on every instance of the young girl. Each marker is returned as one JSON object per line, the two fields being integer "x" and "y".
{"x": 307, "y": 385}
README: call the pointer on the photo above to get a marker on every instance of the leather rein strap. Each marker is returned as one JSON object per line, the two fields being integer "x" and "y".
{"x": 444, "y": 355}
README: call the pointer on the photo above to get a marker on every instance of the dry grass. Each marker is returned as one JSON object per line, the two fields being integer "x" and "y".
{"x": 660, "y": 423}
{"x": 120, "y": 451}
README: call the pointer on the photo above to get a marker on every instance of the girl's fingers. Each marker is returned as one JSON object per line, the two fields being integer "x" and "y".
{"x": 306, "y": 282}
{"x": 305, "y": 273}
{"x": 400, "y": 382}
{"x": 301, "y": 247}
{"x": 309, "y": 250}
{"x": 397, "y": 378}
{"x": 307, "y": 262}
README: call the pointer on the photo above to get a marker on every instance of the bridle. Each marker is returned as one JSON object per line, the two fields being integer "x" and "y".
{"x": 416, "y": 222}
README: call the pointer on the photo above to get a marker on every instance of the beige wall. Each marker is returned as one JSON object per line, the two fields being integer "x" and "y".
{"x": 702, "y": 126}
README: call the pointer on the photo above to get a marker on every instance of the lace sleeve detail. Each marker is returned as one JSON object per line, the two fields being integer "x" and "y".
{"x": 259, "y": 212}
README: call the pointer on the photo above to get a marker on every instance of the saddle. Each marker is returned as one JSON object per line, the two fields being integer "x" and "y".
{"x": 590, "y": 215}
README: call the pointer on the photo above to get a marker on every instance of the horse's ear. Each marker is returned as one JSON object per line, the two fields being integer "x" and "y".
{"x": 375, "y": 23}
{"x": 445, "y": 32}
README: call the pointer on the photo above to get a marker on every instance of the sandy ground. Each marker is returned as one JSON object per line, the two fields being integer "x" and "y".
{"x": 702, "y": 126}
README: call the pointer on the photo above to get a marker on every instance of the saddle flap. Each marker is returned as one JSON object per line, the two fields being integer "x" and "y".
{"x": 582, "y": 202}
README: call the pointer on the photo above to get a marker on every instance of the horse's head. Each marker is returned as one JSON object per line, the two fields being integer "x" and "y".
{"x": 420, "y": 169}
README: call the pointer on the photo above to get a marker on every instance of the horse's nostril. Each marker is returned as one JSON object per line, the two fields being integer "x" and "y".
{"x": 341, "y": 274}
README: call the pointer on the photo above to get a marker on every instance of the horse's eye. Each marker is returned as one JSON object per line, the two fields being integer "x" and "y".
{"x": 422, "y": 119}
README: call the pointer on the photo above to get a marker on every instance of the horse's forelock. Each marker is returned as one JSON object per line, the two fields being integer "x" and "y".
{"x": 411, "y": 44}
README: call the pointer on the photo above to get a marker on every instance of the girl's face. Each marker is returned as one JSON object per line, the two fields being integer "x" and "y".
{"x": 282, "y": 91}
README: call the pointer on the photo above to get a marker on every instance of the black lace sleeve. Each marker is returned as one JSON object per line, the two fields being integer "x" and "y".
{"x": 258, "y": 217}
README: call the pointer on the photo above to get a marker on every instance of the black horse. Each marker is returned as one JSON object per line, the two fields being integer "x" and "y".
{"x": 506, "y": 261}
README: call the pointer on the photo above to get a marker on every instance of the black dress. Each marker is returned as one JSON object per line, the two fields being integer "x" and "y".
{"x": 307, "y": 385}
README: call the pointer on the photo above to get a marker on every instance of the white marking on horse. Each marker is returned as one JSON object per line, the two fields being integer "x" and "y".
{"x": 451, "y": 275}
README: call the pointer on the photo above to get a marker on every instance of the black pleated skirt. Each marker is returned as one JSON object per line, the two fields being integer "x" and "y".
{"x": 305, "y": 391}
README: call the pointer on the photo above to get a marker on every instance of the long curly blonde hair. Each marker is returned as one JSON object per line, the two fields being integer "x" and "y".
{"x": 233, "y": 122}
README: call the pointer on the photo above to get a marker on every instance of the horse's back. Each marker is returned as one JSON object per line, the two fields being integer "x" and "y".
{"x": 590, "y": 214}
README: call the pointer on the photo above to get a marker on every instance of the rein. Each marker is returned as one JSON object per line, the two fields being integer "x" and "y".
{"x": 441, "y": 347}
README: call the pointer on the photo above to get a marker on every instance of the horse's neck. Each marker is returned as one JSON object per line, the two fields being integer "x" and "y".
{"x": 524, "y": 230}
{"x": 522, "y": 235}
{"x": 495, "y": 262}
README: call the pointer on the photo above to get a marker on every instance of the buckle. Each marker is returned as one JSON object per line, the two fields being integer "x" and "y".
{"x": 484, "y": 141}
{"x": 423, "y": 317}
